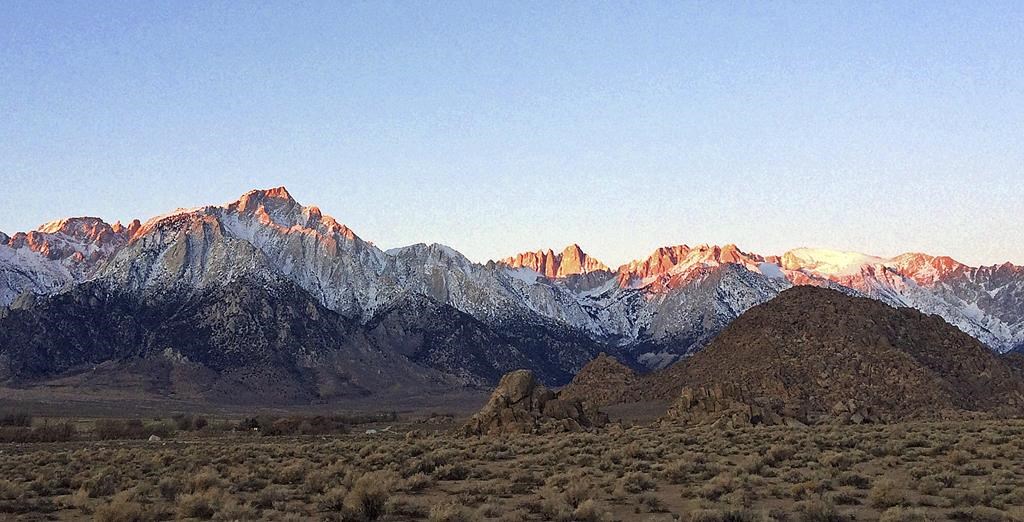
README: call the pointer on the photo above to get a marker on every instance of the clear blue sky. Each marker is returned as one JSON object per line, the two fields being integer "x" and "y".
{"x": 500, "y": 127}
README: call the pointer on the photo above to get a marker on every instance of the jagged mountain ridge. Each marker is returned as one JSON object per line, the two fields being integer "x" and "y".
{"x": 652, "y": 311}
{"x": 58, "y": 254}
{"x": 266, "y": 239}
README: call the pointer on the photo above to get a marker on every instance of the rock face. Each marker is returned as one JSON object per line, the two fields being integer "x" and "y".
{"x": 442, "y": 337}
{"x": 572, "y": 261}
{"x": 815, "y": 355}
{"x": 522, "y": 405}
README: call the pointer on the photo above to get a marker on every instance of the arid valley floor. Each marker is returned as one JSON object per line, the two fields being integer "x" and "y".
{"x": 420, "y": 469}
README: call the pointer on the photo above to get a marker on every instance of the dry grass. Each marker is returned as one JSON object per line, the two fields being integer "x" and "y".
{"x": 917, "y": 471}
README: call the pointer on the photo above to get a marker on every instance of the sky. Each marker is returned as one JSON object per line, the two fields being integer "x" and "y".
{"x": 499, "y": 127}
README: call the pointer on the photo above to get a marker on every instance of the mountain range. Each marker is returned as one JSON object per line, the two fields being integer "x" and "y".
{"x": 327, "y": 307}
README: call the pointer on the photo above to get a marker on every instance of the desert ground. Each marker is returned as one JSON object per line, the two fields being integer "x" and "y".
{"x": 417, "y": 467}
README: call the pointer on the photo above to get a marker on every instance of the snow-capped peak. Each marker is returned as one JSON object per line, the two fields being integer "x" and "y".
{"x": 828, "y": 262}
{"x": 91, "y": 228}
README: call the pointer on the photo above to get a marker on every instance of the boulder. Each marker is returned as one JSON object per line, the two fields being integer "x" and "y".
{"x": 562, "y": 409}
{"x": 520, "y": 404}
{"x": 517, "y": 386}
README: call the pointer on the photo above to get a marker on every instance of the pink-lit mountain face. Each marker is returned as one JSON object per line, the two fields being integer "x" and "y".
{"x": 657, "y": 308}
{"x": 571, "y": 261}
{"x": 57, "y": 254}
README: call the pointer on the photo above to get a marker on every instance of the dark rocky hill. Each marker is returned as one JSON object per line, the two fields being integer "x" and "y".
{"x": 814, "y": 353}
{"x": 810, "y": 351}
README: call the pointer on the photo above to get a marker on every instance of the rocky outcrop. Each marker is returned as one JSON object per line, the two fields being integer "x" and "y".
{"x": 520, "y": 404}
{"x": 731, "y": 406}
{"x": 659, "y": 262}
{"x": 852, "y": 411}
{"x": 726, "y": 406}
{"x": 603, "y": 381}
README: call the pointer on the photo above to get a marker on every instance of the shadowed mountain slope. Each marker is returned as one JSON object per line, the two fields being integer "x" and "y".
{"x": 240, "y": 342}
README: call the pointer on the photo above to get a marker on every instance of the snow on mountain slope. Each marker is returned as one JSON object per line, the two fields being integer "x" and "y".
{"x": 267, "y": 233}
{"x": 183, "y": 253}
{"x": 25, "y": 271}
{"x": 992, "y": 297}
{"x": 683, "y": 320}
{"x": 493, "y": 292}
{"x": 925, "y": 269}
{"x": 675, "y": 301}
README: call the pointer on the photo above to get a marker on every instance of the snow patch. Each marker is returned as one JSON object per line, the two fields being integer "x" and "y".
{"x": 771, "y": 270}
{"x": 657, "y": 360}
{"x": 524, "y": 274}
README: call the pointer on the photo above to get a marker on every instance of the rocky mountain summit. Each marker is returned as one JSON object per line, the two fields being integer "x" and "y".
{"x": 520, "y": 404}
{"x": 57, "y": 255}
{"x": 571, "y": 261}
